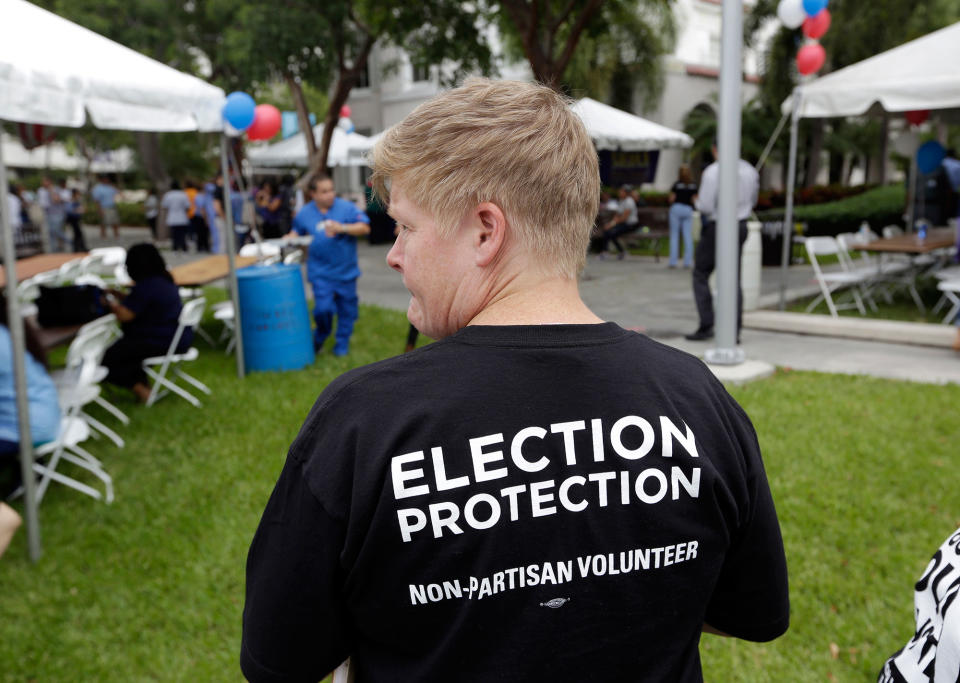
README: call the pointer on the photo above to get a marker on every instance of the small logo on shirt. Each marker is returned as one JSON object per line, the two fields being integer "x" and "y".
{"x": 555, "y": 603}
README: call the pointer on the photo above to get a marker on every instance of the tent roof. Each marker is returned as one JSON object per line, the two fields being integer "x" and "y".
{"x": 920, "y": 74}
{"x": 54, "y": 155}
{"x": 614, "y": 129}
{"x": 53, "y": 71}
{"x": 346, "y": 149}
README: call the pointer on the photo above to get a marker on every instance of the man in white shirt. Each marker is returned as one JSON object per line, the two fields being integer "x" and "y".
{"x": 14, "y": 208}
{"x": 748, "y": 185}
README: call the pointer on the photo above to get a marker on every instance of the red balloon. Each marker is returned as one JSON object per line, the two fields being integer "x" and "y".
{"x": 917, "y": 117}
{"x": 266, "y": 122}
{"x": 810, "y": 59}
{"x": 816, "y": 26}
{"x": 345, "y": 111}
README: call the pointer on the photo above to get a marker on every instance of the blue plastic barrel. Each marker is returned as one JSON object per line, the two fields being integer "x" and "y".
{"x": 274, "y": 319}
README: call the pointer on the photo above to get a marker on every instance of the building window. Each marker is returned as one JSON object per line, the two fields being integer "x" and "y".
{"x": 363, "y": 78}
{"x": 421, "y": 72}
{"x": 714, "y": 50}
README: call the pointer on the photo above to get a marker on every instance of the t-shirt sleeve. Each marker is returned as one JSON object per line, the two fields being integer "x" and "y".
{"x": 359, "y": 216}
{"x": 750, "y": 599}
{"x": 300, "y": 223}
{"x": 294, "y": 625}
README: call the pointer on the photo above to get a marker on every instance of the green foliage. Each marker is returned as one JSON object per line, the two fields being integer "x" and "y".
{"x": 152, "y": 586}
{"x": 880, "y": 206}
{"x": 618, "y": 58}
{"x": 758, "y": 123}
{"x": 129, "y": 214}
{"x": 818, "y": 194}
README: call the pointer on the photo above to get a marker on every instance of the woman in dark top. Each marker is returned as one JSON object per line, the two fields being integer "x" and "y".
{"x": 682, "y": 196}
{"x": 148, "y": 316}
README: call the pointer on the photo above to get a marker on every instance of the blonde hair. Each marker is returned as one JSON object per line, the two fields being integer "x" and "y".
{"x": 517, "y": 145}
{"x": 684, "y": 175}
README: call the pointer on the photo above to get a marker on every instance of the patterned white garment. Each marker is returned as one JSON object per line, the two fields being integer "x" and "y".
{"x": 933, "y": 654}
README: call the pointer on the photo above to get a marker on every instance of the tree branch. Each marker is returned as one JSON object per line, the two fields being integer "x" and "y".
{"x": 585, "y": 16}
{"x": 555, "y": 26}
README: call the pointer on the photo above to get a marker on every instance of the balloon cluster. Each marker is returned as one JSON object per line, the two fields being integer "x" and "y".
{"x": 260, "y": 121}
{"x": 814, "y": 17}
{"x": 344, "y": 123}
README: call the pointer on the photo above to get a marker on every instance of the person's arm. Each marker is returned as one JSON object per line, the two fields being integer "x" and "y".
{"x": 123, "y": 313}
{"x": 333, "y": 228}
{"x": 671, "y": 198}
{"x": 707, "y": 198}
{"x": 294, "y": 619}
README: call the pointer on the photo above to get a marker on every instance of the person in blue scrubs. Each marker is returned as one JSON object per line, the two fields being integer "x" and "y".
{"x": 332, "y": 268}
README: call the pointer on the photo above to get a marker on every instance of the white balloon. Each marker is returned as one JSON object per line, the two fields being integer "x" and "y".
{"x": 344, "y": 123}
{"x": 791, "y": 13}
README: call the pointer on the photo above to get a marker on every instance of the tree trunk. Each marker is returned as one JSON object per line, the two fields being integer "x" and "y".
{"x": 148, "y": 144}
{"x": 303, "y": 114}
{"x": 884, "y": 145}
{"x": 836, "y": 168}
{"x": 814, "y": 153}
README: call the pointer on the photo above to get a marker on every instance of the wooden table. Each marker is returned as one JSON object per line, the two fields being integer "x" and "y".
{"x": 909, "y": 243}
{"x": 206, "y": 270}
{"x": 34, "y": 265}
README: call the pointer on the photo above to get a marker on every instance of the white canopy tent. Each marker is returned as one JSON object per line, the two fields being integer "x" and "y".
{"x": 55, "y": 156}
{"x": 920, "y": 74}
{"x": 346, "y": 149}
{"x": 57, "y": 73}
{"x": 614, "y": 129}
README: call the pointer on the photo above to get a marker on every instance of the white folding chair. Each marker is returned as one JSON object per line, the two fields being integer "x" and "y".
{"x": 66, "y": 447}
{"x": 223, "y": 312}
{"x": 78, "y": 384}
{"x": 831, "y": 281}
{"x": 883, "y": 275}
{"x": 951, "y": 290}
{"x": 160, "y": 367}
{"x": 70, "y": 271}
{"x": 264, "y": 252}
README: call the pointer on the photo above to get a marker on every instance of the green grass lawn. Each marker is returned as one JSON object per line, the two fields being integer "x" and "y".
{"x": 151, "y": 588}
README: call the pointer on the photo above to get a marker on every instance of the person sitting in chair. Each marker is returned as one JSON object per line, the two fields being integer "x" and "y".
{"x": 149, "y": 316}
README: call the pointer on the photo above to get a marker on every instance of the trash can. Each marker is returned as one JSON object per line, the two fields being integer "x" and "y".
{"x": 275, "y": 323}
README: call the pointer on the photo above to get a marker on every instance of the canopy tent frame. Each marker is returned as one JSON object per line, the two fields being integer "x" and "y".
{"x": 57, "y": 93}
{"x": 919, "y": 74}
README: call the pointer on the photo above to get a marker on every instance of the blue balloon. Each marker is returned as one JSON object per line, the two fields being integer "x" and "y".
{"x": 351, "y": 128}
{"x": 929, "y": 156}
{"x": 813, "y": 7}
{"x": 239, "y": 110}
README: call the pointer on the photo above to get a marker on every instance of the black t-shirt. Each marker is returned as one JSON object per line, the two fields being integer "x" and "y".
{"x": 556, "y": 503}
{"x": 155, "y": 301}
{"x": 684, "y": 192}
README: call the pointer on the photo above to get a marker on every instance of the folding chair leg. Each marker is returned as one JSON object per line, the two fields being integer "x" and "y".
{"x": 859, "y": 301}
{"x": 203, "y": 334}
{"x": 112, "y": 409}
{"x": 103, "y": 429}
{"x": 51, "y": 475}
{"x": 167, "y": 384}
{"x": 916, "y": 297}
{"x": 193, "y": 380}
{"x": 941, "y": 302}
{"x": 954, "y": 309}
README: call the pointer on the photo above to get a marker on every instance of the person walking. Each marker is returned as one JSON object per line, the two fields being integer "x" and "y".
{"x": 334, "y": 224}
{"x": 50, "y": 198}
{"x": 151, "y": 209}
{"x": 75, "y": 220}
{"x": 104, "y": 193}
{"x": 176, "y": 207}
{"x": 748, "y": 187}
{"x": 682, "y": 195}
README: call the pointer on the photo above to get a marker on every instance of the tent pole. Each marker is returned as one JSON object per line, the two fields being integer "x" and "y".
{"x": 771, "y": 142}
{"x": 726, "y": 351}
{"x": 15, "y": 326}
{"x": 911, "y": 191}
{"x": 231, "y": 255}
{"x": 788, "y": 212}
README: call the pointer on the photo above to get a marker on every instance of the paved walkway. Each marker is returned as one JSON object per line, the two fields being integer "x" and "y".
{"x": 638, "y": 292}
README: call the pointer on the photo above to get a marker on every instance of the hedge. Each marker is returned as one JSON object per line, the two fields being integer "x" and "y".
{"x": 880, "y": 207}
{"x": 130, "y": 214}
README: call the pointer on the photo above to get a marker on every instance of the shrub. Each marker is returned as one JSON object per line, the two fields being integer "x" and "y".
{"x": 818, "y": 194}
{"x": 130, "y": 214}
{"x": 879, "y": 206}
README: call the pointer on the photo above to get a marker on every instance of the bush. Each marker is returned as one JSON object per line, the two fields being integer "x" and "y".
{"x": 880, "y": 206}
{"x": 818, "y": 194}
{"x": 130, "y": 214}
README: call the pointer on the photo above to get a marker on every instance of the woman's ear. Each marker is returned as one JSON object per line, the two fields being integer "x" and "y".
{"x": 490, "y": 225}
